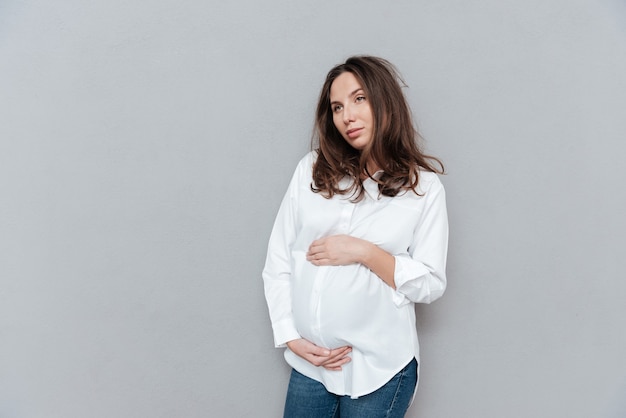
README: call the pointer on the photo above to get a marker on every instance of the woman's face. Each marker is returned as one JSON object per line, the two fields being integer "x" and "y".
{"x": 352, "y": 114}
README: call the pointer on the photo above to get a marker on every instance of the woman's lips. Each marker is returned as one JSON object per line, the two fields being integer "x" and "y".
{"x": 353, "y": 133}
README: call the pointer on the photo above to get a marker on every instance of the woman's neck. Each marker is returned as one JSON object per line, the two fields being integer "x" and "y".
{"x": 371, "y": 168}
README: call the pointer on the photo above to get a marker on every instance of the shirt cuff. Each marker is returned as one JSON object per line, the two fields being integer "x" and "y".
{"x": 406, "y": 272}
{"x": 284, "y": 331}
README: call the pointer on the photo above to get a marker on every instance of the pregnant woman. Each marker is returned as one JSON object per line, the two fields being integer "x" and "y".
{"x": 360, "y": 237}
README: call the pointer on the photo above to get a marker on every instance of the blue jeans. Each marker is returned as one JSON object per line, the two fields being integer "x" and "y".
{"x": 308, "y": 398}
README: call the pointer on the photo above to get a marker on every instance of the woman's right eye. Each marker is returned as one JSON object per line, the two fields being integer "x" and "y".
{"x": 336, "y": 108}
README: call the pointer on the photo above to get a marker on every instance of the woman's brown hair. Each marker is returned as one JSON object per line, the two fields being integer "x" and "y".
{"x": 394, "y": 147}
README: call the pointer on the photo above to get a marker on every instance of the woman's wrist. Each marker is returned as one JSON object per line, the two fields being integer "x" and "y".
{"x": 380, "y": 262}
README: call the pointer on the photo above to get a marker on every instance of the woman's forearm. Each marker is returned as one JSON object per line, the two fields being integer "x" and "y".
{"x": 380, "y": 262}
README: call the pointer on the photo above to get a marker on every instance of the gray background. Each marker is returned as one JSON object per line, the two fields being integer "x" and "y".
{"x": 145, "y": 147}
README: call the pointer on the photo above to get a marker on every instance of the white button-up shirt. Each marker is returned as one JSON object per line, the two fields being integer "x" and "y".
{"x": 334, "y": 306}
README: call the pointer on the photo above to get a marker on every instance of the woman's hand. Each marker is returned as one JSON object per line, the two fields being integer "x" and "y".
{"x": 318, "y": 356}
{"x": 341, "y": 250}
{"x": 337, "y": 250}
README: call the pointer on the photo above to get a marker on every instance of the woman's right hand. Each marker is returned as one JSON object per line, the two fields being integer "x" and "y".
{"x": 318, "y": 356}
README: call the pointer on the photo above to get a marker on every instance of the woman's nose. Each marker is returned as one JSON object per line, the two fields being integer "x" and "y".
{"x": 348, "y": 115}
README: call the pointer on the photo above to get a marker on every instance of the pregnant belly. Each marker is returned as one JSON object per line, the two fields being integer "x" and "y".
{"x": 345, "y": 306}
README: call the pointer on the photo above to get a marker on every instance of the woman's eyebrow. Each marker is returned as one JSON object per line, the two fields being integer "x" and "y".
{"x": 351, "y": 94}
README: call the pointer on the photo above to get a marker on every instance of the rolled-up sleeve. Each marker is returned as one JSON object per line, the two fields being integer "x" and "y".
{"x": 420, "y": 274}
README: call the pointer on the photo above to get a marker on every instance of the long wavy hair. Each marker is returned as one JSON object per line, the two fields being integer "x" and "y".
{"x": 395, "y": 145}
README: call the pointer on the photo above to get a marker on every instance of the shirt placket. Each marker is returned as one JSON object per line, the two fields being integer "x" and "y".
{"x": 342, "y": 227}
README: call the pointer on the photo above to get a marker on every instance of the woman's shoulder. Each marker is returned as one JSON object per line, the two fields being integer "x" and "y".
{"x": 309, "y": 158}
{"x": 428, "y": 181}
{"x": 305, "y": 164}
{"x": 428, "y": 176}
{"x": 304, "y": 168}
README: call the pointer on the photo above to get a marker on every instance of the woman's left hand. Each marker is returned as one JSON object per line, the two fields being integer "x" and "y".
{"x": 337, "y": 250}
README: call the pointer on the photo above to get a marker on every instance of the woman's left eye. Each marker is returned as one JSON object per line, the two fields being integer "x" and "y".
{"x": 360, "y": 98}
